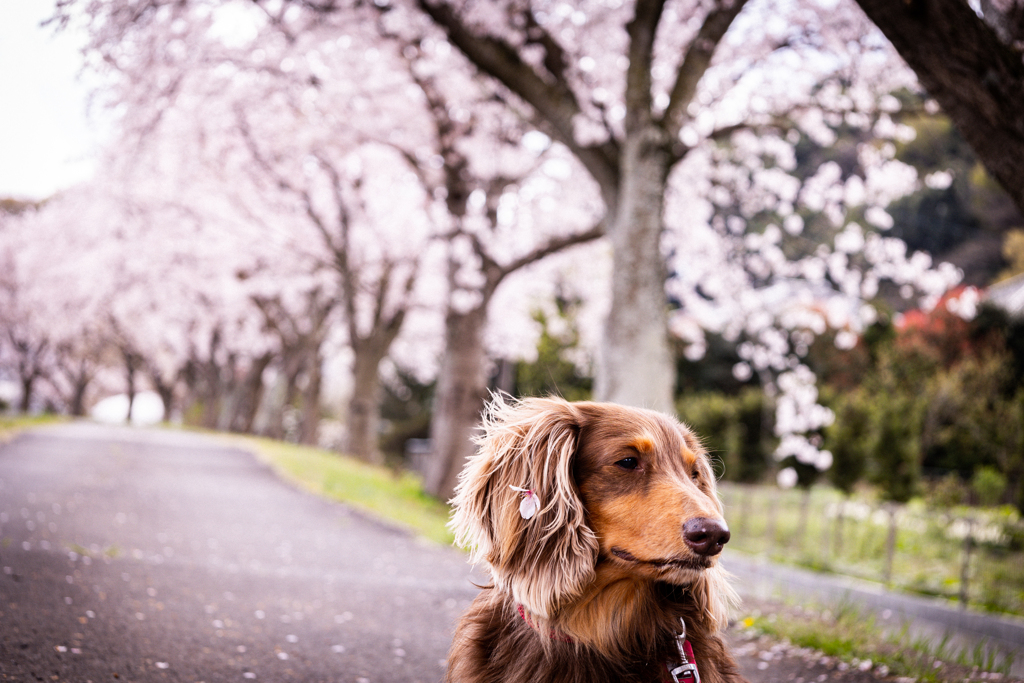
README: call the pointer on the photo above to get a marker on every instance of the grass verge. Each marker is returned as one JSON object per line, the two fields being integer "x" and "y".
{"x": 397, "y": 497}
{"x": 852, "y": 635}
{"x": 11, "y": 425}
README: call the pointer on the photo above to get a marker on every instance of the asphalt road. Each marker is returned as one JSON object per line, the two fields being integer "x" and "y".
{"x": 131, "y": 555}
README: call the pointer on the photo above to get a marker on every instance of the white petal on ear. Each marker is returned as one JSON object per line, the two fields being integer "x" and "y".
{"x": 528, "y": 506}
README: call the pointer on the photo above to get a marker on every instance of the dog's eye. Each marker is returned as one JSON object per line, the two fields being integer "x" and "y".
{"x": 628, "y": 463}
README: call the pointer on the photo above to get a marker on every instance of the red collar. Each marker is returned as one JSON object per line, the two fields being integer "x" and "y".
{"x": 553, "y": 634}
{"x": 686, "y": 672}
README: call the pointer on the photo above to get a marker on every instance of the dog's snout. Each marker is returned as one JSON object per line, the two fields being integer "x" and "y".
{"x": 706, "y": 536}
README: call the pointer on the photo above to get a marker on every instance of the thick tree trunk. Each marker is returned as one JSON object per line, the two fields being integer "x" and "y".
{"x": 363, "y": 421}
{"x": 976, "y": 78}
{"x": 79, "y": 384}
{"x": 635, "y": 365}
{"x": 458, "y": 400}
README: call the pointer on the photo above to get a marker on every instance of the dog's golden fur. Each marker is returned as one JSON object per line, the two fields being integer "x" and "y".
{"x": 593, "y": 587}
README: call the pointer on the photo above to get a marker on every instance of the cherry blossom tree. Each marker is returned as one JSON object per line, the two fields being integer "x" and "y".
{"x": 362, "y": 205}
{"x": 51, "y": 333}
{"x": 491, "y": 167}
{"x": 632, "y": 90}
{"x": 682, "y": 120}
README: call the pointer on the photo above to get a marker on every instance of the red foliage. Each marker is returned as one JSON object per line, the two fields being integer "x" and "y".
{"x": 938, "y": 336}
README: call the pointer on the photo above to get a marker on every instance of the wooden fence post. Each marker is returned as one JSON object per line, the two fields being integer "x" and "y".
{"x": 965, "y": 567}
{"x": 890, "y": 542}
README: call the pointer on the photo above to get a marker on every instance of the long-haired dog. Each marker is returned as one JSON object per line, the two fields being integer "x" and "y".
{"x": 600, "y": 526}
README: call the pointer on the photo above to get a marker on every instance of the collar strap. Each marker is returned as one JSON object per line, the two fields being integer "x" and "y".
{"x": 552, "y": 634}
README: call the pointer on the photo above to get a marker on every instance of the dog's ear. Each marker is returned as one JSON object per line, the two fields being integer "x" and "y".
{"x": 550, "y": 556}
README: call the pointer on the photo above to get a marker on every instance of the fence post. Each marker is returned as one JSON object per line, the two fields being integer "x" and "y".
{"x": 890, "y": 542}
{"x": 745, "y": 494}
{"x": 837, "y": 540}
{"x": 965, "y": 567}
{"x": 773, "y": 513}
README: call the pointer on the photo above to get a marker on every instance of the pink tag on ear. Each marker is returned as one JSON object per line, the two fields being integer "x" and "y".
{"x": 529, "y": 504}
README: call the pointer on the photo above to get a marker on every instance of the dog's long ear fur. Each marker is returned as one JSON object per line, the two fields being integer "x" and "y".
{"x": 549, "y": 558}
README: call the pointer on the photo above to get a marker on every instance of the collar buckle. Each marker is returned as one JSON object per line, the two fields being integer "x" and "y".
{"x": 687, "y": 671}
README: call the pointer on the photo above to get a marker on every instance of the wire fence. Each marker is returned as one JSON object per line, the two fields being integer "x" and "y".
{"x": 974, "y": 556}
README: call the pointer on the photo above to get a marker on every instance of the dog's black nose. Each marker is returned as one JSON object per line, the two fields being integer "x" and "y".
{"x": 706, "y": 536}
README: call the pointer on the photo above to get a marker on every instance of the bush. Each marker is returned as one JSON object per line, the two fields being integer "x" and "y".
{"x": 948, "y": 491}
{"x": 895, "y": 454}
{"x": 989, "y": 485}
{"x": 850, "y": 440}
{"x": 733, "y": 429}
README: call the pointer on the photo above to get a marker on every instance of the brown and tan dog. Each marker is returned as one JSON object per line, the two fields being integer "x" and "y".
{"x": 600, "y": 526}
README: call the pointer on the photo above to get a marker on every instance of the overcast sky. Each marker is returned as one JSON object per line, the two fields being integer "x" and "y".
{"x": 46, "y": 139}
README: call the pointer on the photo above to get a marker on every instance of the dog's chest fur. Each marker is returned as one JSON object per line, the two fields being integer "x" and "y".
{"x": 495, "y": 644}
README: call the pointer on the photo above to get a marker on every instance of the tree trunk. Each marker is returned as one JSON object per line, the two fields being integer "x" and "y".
{"x": 458, "y": 400}
{"x": 635, "y": 365}
{"x": 363, "y": 422}
{"x": 976, "y": 78}
{"x": 250, "y": 394}
{"x": 209, "y": 383}
{"x": 79, "y": 384}
{"x": 287, "y": 390}
{"x": 27, "y": 384}
{"x": 227, "y": 394}
{"x": 165, "y": 390}
{"x": 129, "y": 368}
{"x": 310, "y": 421}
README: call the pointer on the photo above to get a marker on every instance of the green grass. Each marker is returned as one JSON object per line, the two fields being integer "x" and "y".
{"x": 11, "y": 425}
{"x": 397, "y": 497}
{"x": 848, "y": 634}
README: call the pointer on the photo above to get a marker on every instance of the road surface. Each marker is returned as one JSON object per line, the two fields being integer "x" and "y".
{"x": 133, "y": 555}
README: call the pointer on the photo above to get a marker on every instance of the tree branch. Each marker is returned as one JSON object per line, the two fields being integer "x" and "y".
{"x": 642, "y": 29}
{"x": 555, "y": 103}
{"x": 695, "y": 63}
{"x": 552, "y": 246}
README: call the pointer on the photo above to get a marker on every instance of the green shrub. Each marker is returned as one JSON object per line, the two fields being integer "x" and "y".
{"x": 850, "y": 440}
{"x": 734, "y": 429}
{"x": 989, "y": 484}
